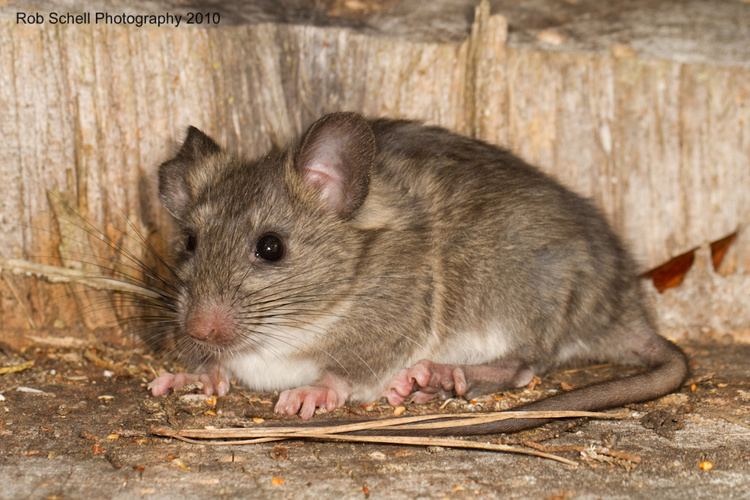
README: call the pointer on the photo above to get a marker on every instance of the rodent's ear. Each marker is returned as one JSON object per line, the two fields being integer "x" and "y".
{"x": 335, "y": 158}
{"x": 175, "y": 179}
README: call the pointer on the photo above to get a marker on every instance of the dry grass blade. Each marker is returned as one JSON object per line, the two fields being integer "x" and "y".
{"x": 4, "y": 370}
{"x": 56, "y": 274}
{"x": 401, "y": 440}
{"x": 240, "y": 436}
{"x": 484, "y": 418}
{"x": 449, "y": 420}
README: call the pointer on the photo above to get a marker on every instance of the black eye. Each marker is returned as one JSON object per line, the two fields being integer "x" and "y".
{"x": 269, "y": 247}
{"x": 190, "y": 242}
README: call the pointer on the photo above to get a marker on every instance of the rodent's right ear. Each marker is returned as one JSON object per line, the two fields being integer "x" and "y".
{"x": 335, "y": 158}
{"x": 177, "y": 179}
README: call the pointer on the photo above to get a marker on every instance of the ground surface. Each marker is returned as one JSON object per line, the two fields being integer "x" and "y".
{"x": 87, "y": 434}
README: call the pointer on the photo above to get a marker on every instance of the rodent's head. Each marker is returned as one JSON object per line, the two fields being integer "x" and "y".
{"x": 266, "y": 248}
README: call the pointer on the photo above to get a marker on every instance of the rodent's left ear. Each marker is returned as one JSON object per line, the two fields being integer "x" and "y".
{"x": 179, "y": 177}
{"x": 335, "y": 158}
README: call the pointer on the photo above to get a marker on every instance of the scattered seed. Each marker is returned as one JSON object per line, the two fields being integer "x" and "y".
{"x": 566, "y": 386}
{"x": 377, "y": 455}
{"x": 105, "y": 397}
{"x": 193, "y": 399}
{"x": 258, "y": 420}
{"x": 705, "y": 465}
{"x": 280, "y": 452}
{"x": 399, "y": 410}
{"x": 277, "y": 481}
{"x": 180, "y": 464}
{"x": 113, "y": 437}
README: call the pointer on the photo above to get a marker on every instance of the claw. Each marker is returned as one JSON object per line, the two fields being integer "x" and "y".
{"x": 329, "y": 393}
{"x": 216, "y": 381}
{"x": 425, "y": 381}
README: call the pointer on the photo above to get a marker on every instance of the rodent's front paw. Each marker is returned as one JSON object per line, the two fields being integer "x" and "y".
{"x": 330, "y": 392}
{"x": 214, "y": 382}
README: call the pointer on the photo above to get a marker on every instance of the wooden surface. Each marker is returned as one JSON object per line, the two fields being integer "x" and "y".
{"x": 663, "y": 146}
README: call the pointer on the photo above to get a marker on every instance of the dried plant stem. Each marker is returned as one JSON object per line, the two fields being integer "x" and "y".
{"x": 57, "y": 274}
{"x": 238, "y": 436}
{"x": 400, "y": 423}
{"x": 401, "y": 440}
{"x": 4, "y": 370}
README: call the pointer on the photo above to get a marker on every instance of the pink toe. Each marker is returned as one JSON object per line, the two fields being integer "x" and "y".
{"x": 161, "y": 384}
{"x": 421, "y": 374}
{"x": 394, "y": 398}
{"x": 208, "y": 386}
{"x": 459, "y": 378}
{"x": 331, "y": 400}
{"x": 222, "y": 388}
{"x": 308, "y": 407}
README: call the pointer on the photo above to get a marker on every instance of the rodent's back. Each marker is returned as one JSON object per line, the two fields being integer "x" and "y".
{"x": 513, "y": 243}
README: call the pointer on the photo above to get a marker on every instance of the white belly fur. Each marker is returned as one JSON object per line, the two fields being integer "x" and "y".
{"x": 272, "y": 371}
{"x": 278, "y": 365}
{"x": 470, "y": 348}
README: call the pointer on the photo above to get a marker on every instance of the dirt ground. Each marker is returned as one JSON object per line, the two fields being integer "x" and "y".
{"x": 76, "y": 423}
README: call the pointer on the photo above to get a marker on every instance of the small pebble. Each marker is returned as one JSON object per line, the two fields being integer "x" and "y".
{"x": 29, "y": 390}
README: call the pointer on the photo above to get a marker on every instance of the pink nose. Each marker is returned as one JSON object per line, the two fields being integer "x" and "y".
{"x": 210, "y": 323}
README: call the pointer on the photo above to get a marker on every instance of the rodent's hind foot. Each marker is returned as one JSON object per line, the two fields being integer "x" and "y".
{"x": 215, "y": 381}
{"x": 330, "y": 392}
{"x": 427, "y": 380}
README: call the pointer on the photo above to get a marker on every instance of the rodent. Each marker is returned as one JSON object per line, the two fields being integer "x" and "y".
{"x": 379, "y": 257}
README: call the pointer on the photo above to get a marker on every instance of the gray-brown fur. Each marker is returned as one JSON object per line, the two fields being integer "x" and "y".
{"x": 442, "y": 238}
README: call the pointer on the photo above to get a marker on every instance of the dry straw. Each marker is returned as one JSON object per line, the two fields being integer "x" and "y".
{"x": 343, "y": 432}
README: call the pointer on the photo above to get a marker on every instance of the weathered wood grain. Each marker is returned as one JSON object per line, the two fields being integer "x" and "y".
{"x": 662, "y": 146}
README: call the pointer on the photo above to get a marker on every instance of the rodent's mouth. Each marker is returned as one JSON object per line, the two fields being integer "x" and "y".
{"x": 213, "y": 348}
